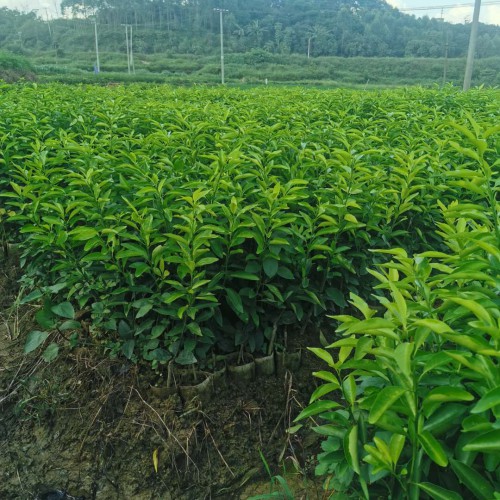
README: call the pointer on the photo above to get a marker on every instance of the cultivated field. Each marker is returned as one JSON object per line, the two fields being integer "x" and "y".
{"x": 182, "y": 224}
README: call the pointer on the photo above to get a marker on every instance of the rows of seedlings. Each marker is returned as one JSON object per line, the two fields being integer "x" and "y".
{"x": 183, "y": 223}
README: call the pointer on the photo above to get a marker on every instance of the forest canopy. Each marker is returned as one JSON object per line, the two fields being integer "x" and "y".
{"x": 370, "y": 28}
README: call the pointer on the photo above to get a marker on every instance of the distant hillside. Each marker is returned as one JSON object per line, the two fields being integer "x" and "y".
{"x": 369, "y": 28}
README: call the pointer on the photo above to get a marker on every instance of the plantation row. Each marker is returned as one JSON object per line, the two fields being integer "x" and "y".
{"x": 197, "y": 221}
{"x": 184, "y": 220}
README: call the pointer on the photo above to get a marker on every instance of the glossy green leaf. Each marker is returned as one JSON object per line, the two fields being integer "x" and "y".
{"x": 473, "y": 480}
{"x": 323, "y": 354}
{"x": 489, "y": 442}
{"x": 328, "y": 376}
{"x": 322, "y": 390}
{"x": 438, "y": 492}
{"x": 433, "y": 448}
{"x": 351, "y": 449}
{"x": 316, "y": 408}
{"x": 442, "y": 394}
{"x": 384, "y": 401}
{"x": 476, "y": 423}
{"x": 489, "y": 400}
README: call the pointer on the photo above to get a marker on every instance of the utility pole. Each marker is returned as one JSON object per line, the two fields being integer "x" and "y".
{"x": 130, "y": 52}
{"x": 128, "y": 48}
{"x": 132, "y": 65}
{"x": 445, "y": 68}
{"x": 97, "y": 63}
{"x": 48, "y": 22}
{"x": 221, "y": 11}
{"x": 472, "y": 45}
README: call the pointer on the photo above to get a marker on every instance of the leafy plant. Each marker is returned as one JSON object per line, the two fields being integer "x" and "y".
{"x": 186, "y": 221}
{"x": 419, "y": 374}
{"x": 55, "y": 320}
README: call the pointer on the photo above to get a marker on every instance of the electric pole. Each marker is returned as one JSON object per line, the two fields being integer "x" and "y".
{"x": 130, "y": 52}
{"x": 472, "y": 45}
{"x": 445, "y": 68}
{"x": 128, "y": 48}
{"x": 221, "y": 11}
{"x": 48, "y": 22}
{"x": 132, "y": 65}
{"x": 97, "y": 63}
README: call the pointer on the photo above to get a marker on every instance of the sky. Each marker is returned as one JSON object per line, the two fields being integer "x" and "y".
{"x": 489, "y": 13}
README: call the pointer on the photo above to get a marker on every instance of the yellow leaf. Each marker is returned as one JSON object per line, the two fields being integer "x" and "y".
{"x": 155, "y": 460}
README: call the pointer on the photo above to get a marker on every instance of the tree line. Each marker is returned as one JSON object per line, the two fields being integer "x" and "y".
{"x": 370, "y": 28}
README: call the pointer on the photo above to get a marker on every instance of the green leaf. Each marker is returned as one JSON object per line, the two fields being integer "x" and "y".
{"x": 383, "y": 402}
{"x": 433, "y": 448}
{"x": 45, "y": 318}
{"x": 403, "y": 356}
{"x": 335, "y": 295}
{"x": 435, "y": 325}
{"x": 244, "y": 276}
{"x": 83, "y": 233}
{"x": 396, "y": 446}
{"x": 172, "y": 297}
{"x": 35, "y": 295}
{"x": 442, "y": 394}
{"x": 234, "y": 300}
{"x": 475, "y": 482}
{"x": 489, "y": 400}
{"x": 34, "y": 340}
{"x": 351, "y": 449}
{"x": 144, "y": 310}
{"x": 70, "y": 324}
{"x": 270, "y": 266}
{"x": 477, "y": 309}
{"x": 315, "y": 408}
{"x": 186, "y": 357}
{"x": 476, "y": 423}
{"x": 64, "y": 310}
{"x": 322, "y": 354}
{"x": 156, "y": 331}
{"x": 374, "y": 326}
{"x": 50, "y": 352}
{"x": 322, "y": 390}
{"x": 438, "y": 492}
{"x": 489, "y": 442}
{"x": 285, "y": 273}
{"x": 349, "y": 389}
{"x": 328, "y": 376}
{"x": 445, "y": 418}
{"x": 128, "y": 348}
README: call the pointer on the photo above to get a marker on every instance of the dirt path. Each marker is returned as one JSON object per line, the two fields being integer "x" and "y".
{"x": 91, "y": 426}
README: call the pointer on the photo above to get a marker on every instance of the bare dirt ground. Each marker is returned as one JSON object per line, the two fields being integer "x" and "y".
{"x": 92, "y": 427}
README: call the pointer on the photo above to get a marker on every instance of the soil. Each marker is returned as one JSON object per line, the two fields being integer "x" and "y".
{"x": 90, "y": 427}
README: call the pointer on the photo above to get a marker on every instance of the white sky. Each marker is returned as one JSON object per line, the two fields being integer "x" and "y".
{"x": 489, "y": 13}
